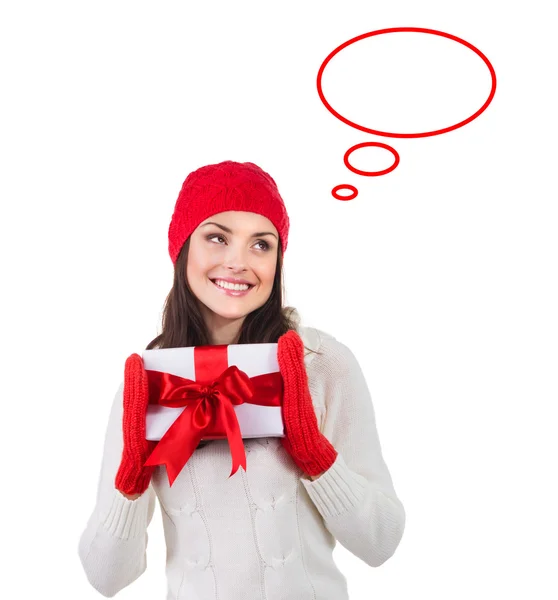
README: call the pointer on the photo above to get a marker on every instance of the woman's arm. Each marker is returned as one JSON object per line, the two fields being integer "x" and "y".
{"x": 112, "y": 549}
{"x": 355, "y": 496}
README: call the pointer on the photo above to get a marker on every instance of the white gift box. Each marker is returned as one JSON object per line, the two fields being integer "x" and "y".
{"x": 254, "y": 359}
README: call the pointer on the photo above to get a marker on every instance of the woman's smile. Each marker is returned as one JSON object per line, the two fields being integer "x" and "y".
{"x": 230, "y": 289}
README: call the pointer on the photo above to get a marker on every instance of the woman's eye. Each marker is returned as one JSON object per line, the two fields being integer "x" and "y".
{"x": 266, "y": 245}
{"x": 215, "y": 236}
{"x": 220, "y": 237}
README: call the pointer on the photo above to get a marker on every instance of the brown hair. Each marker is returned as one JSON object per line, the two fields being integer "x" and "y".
{"x": 183, "y": 324}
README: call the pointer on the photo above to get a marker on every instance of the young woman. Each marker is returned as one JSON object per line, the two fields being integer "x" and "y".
{"x": 266, "y": 532}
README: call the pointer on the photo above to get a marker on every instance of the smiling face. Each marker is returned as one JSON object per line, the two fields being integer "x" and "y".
{"x": 231, "y": 245}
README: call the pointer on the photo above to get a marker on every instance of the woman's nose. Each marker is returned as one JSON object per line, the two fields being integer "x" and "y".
{"x": 236, "y": 257}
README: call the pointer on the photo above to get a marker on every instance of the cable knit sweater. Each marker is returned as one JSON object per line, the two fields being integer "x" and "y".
{"x": 267, "y": 533}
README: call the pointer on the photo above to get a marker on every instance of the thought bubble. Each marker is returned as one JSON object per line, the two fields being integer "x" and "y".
{"x": 373, "y": 128}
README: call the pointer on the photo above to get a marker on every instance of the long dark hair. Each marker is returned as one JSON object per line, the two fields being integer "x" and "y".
{"x": 183, "y": 324}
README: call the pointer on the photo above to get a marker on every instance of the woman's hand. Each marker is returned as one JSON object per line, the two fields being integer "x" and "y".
{"x": 133, "y": 478}
{"x": 308, "y": 447}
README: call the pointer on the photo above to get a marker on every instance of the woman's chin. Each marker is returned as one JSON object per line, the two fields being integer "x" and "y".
{"x": 230, "y": 315}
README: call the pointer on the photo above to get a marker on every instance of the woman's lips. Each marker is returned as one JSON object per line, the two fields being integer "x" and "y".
{"x": 234, "y": 293}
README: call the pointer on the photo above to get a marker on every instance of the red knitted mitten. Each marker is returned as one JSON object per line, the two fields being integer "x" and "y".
{"x": 308, "y": 447}
{"x": 132, "y": 476}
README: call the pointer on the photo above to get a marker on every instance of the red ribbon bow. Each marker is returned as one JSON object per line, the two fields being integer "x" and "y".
{"x": 209, "y": 407}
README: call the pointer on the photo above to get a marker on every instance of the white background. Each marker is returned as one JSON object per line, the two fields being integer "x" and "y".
{"x": 440, "y": 276}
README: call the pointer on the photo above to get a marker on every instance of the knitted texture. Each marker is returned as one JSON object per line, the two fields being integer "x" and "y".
{"x": 309, "y": 448}
{"x": 132, "y": 477}
{"x": 217, "y": 527}
{"x": 222, "y": 187}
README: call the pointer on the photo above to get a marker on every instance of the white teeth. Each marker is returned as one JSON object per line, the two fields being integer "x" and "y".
{"x": 231, "y": 286}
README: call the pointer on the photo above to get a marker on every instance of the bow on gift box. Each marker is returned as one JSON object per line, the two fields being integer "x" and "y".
{"x": 209, "y": 405}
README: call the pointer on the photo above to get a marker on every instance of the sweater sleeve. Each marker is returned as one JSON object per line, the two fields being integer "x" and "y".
{"x": 355, "y": 496}
{"x": 112, "y": 548}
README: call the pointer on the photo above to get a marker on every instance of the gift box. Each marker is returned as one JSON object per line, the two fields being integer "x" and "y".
{"x": 211, "y": 392}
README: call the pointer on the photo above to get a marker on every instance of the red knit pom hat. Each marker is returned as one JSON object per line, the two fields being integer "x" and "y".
{"x": 225, "y": 186}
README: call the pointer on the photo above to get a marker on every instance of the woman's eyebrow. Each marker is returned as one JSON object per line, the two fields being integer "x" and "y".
{"x": 260, "y": 233}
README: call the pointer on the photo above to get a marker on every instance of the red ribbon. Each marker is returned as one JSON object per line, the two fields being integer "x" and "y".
{"x": 209, "y": 401}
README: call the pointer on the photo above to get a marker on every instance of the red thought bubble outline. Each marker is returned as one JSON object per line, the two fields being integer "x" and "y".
{"x": 371, "y": 173}
{"x": 346, "y": 186}
{"x": 407, "y": 29}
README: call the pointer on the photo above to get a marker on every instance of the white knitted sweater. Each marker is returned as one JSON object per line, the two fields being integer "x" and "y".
{"x": 266, "y": 533}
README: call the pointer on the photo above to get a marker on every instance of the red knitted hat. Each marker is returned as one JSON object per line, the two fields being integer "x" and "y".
{"x": 225, "y": 186}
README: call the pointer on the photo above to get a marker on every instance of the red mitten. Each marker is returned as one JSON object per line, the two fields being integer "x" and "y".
{"x": 133, "y": 477}
{"x": 308, "y": 447}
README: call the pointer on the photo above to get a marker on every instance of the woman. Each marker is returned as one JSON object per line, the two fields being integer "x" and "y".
{"x": 268, "y": 531}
